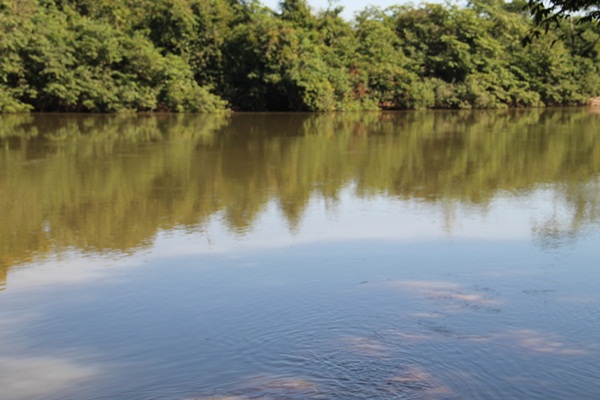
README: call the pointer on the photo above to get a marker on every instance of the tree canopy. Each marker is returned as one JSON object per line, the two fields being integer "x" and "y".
{"x": 215, "y": 55}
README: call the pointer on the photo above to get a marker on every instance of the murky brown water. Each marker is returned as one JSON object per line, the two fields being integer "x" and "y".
{"x": 431, "y": 255}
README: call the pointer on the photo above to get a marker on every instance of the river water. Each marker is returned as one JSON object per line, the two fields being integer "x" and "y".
{"x": 418, "y": 255}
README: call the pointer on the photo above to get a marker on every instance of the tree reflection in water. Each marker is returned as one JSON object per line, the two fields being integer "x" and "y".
{"x": 111, "y": 183}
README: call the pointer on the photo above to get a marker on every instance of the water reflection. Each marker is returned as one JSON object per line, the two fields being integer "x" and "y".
{"x": 350, "y": 320}
{"x": 111, "y": 183}
{"x": 39, "y": 377}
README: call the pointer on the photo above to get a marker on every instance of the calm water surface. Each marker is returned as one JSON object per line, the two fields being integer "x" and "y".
{"x": 427, "y": 255}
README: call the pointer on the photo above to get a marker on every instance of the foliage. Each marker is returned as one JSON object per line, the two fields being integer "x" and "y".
{"x": 58, "y": 59}
{"x": 209, "y": 55}
{"x": 553, "y": 13}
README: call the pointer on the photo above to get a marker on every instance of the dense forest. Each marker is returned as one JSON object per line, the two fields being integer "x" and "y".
{"x": 217, "y": 55}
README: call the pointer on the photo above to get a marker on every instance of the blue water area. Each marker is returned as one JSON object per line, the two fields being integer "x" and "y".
{"x": 356, "y": 319}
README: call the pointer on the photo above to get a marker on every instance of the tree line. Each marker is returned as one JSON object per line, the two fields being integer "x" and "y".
{"x": 218, "y": 55}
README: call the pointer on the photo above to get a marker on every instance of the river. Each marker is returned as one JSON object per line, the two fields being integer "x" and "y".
{"x": 408, "y": 255}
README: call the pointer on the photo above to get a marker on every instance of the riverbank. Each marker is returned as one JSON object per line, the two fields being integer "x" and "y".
{"x": 79, "y": 56}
